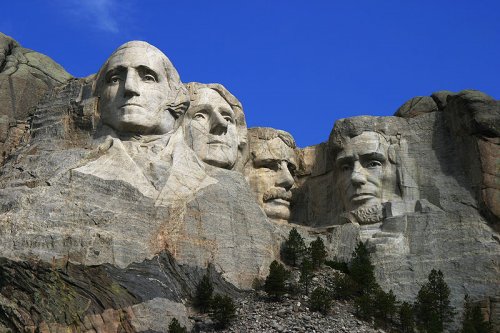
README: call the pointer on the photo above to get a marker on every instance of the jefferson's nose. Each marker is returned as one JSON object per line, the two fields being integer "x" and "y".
{"x": 358, "y": 176}
{"x": 131, "y": 84}
{"x": 218, "y": 125}
{"x": 284, "y": 177}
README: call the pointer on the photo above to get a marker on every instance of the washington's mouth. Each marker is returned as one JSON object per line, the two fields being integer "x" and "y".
{"x": 217, "y": 142}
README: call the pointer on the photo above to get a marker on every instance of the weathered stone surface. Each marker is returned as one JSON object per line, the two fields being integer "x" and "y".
{"x": 417, "y": 106}
{"x": 118, "y": 193}
{"x": 270, "y": 170}
{"x": 25, "y": 76}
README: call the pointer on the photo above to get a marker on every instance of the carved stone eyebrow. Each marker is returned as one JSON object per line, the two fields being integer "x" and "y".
{"x": 373, "y": 156}
{"x": 114, "y": 70}
{"x": 344, "y": 159}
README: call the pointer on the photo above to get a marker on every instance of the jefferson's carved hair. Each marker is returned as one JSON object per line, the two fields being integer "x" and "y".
{"x": 178, "y": 99}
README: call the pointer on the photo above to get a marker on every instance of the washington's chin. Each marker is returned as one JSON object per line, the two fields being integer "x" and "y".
{"x": 277, "y": 209}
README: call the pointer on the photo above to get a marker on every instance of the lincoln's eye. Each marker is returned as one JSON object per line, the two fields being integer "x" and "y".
{"x": 345, "y": 167}
{"x": 374, "y": 164}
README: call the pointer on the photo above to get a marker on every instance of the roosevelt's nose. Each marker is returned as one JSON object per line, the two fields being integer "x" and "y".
{"x": 358, "y": 175}
{"x": 218, "y": 125}
{"x": 284, "y": 177}
{"x": 131, "y": 87}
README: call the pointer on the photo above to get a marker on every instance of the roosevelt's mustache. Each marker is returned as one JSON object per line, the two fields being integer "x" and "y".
{"x": 277, "y": 193}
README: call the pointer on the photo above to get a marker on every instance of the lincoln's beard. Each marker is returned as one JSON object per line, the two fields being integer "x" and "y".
{"x": 368, "y": 215}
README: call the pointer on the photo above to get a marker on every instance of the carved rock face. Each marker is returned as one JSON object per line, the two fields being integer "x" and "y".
{"x": 134, "y": 90}
{"x": 270, "y": 174}
{"x": 211, "y": 129}
{"x": 366, "y": 177}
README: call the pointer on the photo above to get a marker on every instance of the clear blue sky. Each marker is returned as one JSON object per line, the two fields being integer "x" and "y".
{"x": 295, "y": 65}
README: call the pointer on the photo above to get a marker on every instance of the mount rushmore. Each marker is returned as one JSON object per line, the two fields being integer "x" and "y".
{"x": 120, "y": 190}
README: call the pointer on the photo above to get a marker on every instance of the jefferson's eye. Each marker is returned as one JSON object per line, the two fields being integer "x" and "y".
{"x": 199, "y": 115}
{"x": 149, "y": 78}
{"x": 374, "y": 164}
{"x": 228, "y": 119}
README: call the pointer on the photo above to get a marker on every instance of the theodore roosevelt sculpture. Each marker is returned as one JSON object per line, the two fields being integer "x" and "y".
{"x": 270, "y": 170}
{"x": 214, "y": 125}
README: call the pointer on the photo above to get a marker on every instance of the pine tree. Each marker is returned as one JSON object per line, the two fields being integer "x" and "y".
{"x": 293, "y": 248}
{"x": 432, "y": 308}
{"x": 175, "y": 327}
{"x": 204, "y": 291}
{"x": 362, "y": 270}
{"x": 406, "y": 318}
{"x": 306, "y": 273}
{"x": 473, "y": 321}
{"x": 318, "y": 253}
{"x": 223, "y": 310}
{"x": 385, "y": 306}
{"x": 275, "y": 281}
{"x": 320, "y": 301}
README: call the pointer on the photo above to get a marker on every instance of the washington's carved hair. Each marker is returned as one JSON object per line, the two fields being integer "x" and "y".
{"x": 178, "y": 99}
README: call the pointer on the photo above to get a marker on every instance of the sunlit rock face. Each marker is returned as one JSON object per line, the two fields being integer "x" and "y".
{"x": 270, "y": 170}
{"x": 25, "y": 76}
{"x": 116, "y": 189}
{"x": 125, "y": 187}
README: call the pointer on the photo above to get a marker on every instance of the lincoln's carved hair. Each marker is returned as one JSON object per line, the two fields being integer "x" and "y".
{"x": 178, "y": 95}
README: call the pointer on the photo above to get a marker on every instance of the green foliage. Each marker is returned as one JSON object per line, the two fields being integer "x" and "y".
{"x": 320, "y": 300}
{"x": 223, "y": 310}
{"x": 406, "y": 318}
{"x": 473, "y": 321}
{"x": 432, "y": 307}
{"x": 275, "y": 281}
{"x": 364, "y": 306}
{"x": 318, "y": 252}
{"x": 344, "y": 287}
{"x": 385, "y": 306}
{"x": 175, "y": 327}
{"x": 362, "y": 270}
{"x": 293, "y": 248}
{"x": 338, "y": 265}
{"x": 204, "y": 291}
{"x": 306, "y": 274}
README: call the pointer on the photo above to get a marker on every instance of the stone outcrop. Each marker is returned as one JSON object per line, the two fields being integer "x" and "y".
{"x": 25, "y": 76}
{"x": 122, "y": 191}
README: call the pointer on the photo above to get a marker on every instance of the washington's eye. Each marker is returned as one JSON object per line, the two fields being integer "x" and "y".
{"x": 374, "y": 164}
{"x": 149, "y": 78}
{"x": 228, "y": 119}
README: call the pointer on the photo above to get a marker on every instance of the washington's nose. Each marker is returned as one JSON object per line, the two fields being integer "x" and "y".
{"x": 131, "y": 85}
{"x": 284, "y": 177}
{"x": 358, "y": 176}
{"x": 218, "y": 125}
